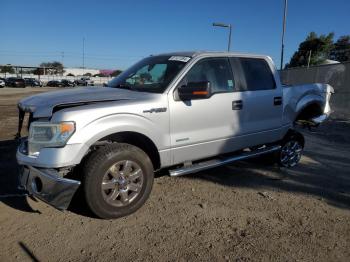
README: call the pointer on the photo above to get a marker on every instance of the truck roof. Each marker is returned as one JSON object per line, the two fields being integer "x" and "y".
{"x": 212, "y": 53}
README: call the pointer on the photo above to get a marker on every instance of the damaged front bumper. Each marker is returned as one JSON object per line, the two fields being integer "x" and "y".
{"x": 48, "y": 186}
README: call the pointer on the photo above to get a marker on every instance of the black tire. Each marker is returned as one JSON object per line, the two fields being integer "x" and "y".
{"x": 291, "y": 150}
{"x": 98, "y": 166}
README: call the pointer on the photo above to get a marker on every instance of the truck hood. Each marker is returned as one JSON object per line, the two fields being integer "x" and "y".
{"x": 43, "y": 105}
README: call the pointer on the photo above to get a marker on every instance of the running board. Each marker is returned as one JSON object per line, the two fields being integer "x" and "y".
{"x": 220, "y": 162}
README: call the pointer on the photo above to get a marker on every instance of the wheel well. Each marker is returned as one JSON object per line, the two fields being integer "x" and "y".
{"x": 294, "y": 134}
{"x": 136, "y": 139}
{"x": 310, "y": 111}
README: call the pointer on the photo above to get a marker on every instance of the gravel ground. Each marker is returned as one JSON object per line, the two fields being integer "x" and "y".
{"x": 247, "y": 211}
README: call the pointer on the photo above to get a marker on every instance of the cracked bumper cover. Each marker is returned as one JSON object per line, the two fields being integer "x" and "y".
{"x": 48, "y": 186}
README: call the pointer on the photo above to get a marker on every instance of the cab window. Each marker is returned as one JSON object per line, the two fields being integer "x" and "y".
{"x": 215, "y": 70}
{"x": 257, "y": 74}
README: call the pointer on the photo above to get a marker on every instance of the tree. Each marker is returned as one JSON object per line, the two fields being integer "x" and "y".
{"x": 319, "y": 47}
{"x": 54, "y": 68}
{"x": 70, "y": 74}
{"x": 7, "y": 69}
{"x": 341, "y": 50}
{"x": 88, "y": 74}
{"x": 116, "y": 73}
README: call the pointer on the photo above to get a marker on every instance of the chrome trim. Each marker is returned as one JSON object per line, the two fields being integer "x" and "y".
{"x": 53, "y": 189}
{"x": 219, "y": 162}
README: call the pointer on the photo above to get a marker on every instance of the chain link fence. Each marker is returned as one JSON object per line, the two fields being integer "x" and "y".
{"x": 337, "y": 75}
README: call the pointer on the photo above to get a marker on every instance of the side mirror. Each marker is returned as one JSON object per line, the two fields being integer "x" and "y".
{"x": 195, "y": 90}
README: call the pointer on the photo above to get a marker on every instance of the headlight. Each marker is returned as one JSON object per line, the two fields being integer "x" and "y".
{"x": 44, "y": 134}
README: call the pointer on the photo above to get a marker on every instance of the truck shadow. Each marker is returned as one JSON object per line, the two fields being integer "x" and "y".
{"x": 307, "y": 179}
{"x": 323, "y": 171}
{"x": 10, "y": 195}
{"x": 17, "y": 199}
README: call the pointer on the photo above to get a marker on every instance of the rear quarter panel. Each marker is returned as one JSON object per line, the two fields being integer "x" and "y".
{"x": 296, "y": 98}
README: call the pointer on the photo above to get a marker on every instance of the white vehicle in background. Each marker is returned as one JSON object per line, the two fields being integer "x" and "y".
{"x": 2, "y": 82}
{"x": 84, "y": 81}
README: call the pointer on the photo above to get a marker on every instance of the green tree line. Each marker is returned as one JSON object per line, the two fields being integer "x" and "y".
{"x": 315, "y": 49}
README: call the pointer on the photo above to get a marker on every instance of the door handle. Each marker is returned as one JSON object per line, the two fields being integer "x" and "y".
{"x": 237, "y": 105}
{"x": 277, "y": 101}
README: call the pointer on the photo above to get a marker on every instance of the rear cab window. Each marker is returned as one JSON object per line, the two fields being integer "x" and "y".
{"x": 255, "y": 74}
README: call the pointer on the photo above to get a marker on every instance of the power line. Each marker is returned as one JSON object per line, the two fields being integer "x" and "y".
{"x": 72, "y": 55}
{"x": 69, "y": 52}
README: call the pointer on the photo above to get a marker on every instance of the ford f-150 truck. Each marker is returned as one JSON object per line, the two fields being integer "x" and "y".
{"x": 180, "y": 112}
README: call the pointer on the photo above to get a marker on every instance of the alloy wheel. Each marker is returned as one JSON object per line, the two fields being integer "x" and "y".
{"x": 122, "y": 183}
{"x": 291, "y": 153}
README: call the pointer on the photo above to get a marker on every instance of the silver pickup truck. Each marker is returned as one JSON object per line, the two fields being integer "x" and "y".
{"x": 179, "y": 112}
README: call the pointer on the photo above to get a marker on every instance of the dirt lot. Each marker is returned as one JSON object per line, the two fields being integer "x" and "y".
{"x": 248, "y": 211}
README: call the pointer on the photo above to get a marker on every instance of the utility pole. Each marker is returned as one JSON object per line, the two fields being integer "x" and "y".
{"x": 309, "y": 59}
{"x": 283, "y": 31}
{"x": 229, "y": 26}
{"x": 229, "y": 39}
{"x": 83, "y": 54}
{"x": 7, "y": 68}
{"x": 62, "y": 56}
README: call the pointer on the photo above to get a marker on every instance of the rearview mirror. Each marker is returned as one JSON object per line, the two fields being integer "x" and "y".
{"x": 195, "y": 90}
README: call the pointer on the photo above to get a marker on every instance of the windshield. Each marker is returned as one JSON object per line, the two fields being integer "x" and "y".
{"x": 152, "y": 74}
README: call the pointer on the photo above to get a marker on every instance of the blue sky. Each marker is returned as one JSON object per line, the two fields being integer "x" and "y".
{"x": 118, "y": 33}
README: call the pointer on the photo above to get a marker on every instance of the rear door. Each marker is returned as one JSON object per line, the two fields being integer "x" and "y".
{"x": 261, "y": 100}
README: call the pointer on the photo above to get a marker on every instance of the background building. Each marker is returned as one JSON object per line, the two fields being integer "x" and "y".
{"x": 80, "y": 71}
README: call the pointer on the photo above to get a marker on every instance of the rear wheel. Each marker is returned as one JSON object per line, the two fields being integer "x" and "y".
{"x": 118, "y": 179}
{"x": 291, "y": 150}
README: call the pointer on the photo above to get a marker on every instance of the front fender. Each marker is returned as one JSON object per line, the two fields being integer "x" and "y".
{"x": 115, "y": 123}
{"x": 79, "y": 144}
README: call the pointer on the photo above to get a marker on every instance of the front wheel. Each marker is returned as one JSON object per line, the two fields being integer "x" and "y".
{"x": 118, "y": 179}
